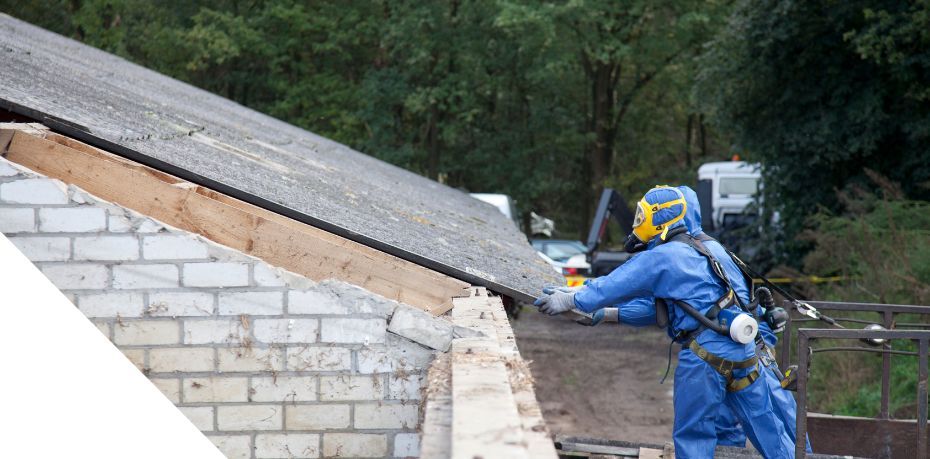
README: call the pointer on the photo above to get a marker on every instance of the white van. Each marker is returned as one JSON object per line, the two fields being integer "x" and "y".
{"x": 725, "y": 189}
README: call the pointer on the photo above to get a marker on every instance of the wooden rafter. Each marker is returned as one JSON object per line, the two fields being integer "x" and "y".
{"x": 277, "y": 240}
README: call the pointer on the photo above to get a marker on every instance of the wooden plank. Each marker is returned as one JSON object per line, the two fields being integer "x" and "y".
{"x": 277, "y": 240}
{"x": 649, "y": 453}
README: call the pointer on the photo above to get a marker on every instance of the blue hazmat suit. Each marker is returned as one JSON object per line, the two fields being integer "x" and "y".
{"x": 674, "y": 271}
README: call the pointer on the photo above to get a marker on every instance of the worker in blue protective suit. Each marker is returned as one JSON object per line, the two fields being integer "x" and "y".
{"x": 713, "y": 369}
{"x": 729, "y": 431}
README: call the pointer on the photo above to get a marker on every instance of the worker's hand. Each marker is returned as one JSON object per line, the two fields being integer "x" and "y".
{"x": 606, "y": 315}
{"x": 550, "y": 289}
{"x": 556, "y": 302}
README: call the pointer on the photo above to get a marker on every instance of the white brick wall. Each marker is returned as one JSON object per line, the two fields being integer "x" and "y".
{"x": 145, "y": 276}
{"x": 216, "y": 274}
{"x": 354, "y": 445}
{"x": 120, "y": 248}
{"x": 17, "y": 220}
{"x": 318, "y": 417}
{"x": 77, "y": 276}
{"x": 173, "y": 247}
{"x": 34, "y": 191}
{"x": 175, "y": 304}
{"x": 112, "y": 304}
{"x": 43, "y": 248}
{"x": 257, "y": 303}
{"x": 287, "y": 445}
{"x": 72, "y": 220}
{"x": 268, "y": 369}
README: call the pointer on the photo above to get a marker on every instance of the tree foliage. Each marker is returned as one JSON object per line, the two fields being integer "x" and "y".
{"x": 545, "y": 101}
{"x": 821, "y": 90}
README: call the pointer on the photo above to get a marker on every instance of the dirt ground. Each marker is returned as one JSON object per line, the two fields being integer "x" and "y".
{"x": 600, "y": 382}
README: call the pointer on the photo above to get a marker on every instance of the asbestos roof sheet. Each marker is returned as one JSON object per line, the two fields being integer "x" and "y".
{"x": 170, "y": 125}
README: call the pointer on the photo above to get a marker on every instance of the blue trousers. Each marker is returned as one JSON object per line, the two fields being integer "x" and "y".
{"x": 699, "y": 392}
{"x": 730, "y": 432}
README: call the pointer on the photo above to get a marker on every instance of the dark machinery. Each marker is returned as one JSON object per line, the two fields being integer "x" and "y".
{"x": 611, "y": 205}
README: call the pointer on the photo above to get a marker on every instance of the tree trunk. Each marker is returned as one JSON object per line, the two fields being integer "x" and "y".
{"x": 432, "y": 144}
{"x": 603, "y": 105}
{"x": 703, "y": 135}
{"x": 688, "y": 139}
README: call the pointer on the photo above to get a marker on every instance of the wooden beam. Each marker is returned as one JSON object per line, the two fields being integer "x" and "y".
{"x": 277, "y": 240}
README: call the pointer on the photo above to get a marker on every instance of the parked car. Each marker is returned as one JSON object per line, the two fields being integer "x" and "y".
{"x": 539, "y": 226}
{"x": 567, "y": 257}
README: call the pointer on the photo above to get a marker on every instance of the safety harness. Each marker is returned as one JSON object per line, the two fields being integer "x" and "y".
{"x": 688, "y": 338}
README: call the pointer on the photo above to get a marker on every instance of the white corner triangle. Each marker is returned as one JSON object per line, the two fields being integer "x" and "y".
{"x": 66, "y": 391}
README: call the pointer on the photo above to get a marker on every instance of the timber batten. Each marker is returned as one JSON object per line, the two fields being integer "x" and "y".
{"x": 278, "y": 240}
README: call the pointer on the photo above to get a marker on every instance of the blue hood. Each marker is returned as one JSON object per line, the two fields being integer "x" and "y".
{"x": 693, "y": 214}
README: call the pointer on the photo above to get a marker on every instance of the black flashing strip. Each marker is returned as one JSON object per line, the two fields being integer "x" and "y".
{"x": 83, "y": 134}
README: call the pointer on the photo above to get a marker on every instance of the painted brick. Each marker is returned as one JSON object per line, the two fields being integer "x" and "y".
{"x": 118, "y": 223}
{"x": 313, "y": 302}
{"x": 147, "y": 225}
{"x": 309, "y": 358}
{"x": 354, "y": 445}
{"x": 294, "y": 446}
{"x": 357, "y": 300}
{"x": 136, "y": 356}
{"x": 216, "y": 274}
{"x": 173, "y": 247}
{"x": 72, "y": 220}
{"x": 200, "y": 416}
{"x": 145, "y": 276}
{"x": 250, "y": 417}
{"x": 170, "y": 387}
{"x": 285, "y": 330}
{"x": 284, "y": 389}
{"x": 253, "y": 303}
{"x": 250, "y": 359}
{"x": 111, "y": 304}
{"x": 103, "y": 328}
{"x": 34, "y": 191}
{"x": 364, "y": 331}
{"x": 386, "y": 416}
{"x": 265, "y": 276}
{"x": 7, "y": 170}
{"x": 180, "y": 304}
{"x": 344, "y": 387}
{"x": 404, "y": 387}
{"x": 397, "y": 354}
{"x": 43, "y": 248}
{"x": 421, "y": 327}
{"x": 17, "y": 220}
{"x": 317, "y": 417}
{"x": 187, "y": 359}
{"x": 144, "y": 332}
{"x": 407, "y": 445}
{"x": 117, "y": 248}
{"x": 233, "y": 446}
{"x": 225, "y": 331}
{"x": 76, "y": 276}
{"x": 215, "y": 389}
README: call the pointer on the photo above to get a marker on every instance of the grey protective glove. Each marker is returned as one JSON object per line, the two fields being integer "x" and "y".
{"x": 550, "y": 289}
{"x": 602, "y": 315}
{"x": 556, "y": 302}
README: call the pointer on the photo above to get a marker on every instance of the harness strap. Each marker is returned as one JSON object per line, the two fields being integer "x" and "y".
{"x": 723, "y": 366}
{"x": 737, "y": 385}
{"x": 715, "y": 265}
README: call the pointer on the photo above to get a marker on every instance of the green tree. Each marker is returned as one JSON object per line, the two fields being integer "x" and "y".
{"x": 821, "y": 90}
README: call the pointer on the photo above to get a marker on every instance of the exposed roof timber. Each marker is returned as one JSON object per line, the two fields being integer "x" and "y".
{"x": 173, "y": 127}
{"x": 279, "y": 241}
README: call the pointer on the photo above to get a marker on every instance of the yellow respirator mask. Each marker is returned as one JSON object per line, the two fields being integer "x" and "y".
{"x": 644, "y": 228}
